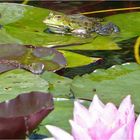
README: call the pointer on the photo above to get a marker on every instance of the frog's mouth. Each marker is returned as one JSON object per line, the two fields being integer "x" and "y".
{"x": 58, "y": 29}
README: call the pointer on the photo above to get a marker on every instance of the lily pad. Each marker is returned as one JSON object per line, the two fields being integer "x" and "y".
{"x": 20, "y": 116}
{"x": 111, "y": 85}
{"x": 75, "y": 59}
{"x": 19, "y": 81}
{"x": 98, "y": 43}
{"x": 34, "y": 59}
{"x": 58, "y": 85}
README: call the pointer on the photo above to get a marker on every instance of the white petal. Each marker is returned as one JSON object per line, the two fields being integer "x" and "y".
{"x": 109, "y": 113}
{"x": 78, "y": 132}
{"x": 58, "y": 133}
{"x": 81, "y": 115}
{"x": 125, "y": 105}
{"x": 49, "y": 139}
{"x": 137, "y": 129}
{"x": 131, "y": 123}
{"x": 120, "y": 134}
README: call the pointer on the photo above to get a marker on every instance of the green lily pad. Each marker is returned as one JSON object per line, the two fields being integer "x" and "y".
{"x": 98, "y": 43}
{"x": 20, "y": 81}
{"x": 75, "y": 59}
{"x": 59, "y": 86}
{"x": 7, "y": 39}
{"x": 111, "y": 85}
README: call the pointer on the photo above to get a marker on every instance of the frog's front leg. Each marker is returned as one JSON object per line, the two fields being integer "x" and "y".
{"x": 81, "y": 32}
{"x": 57, "y": 29}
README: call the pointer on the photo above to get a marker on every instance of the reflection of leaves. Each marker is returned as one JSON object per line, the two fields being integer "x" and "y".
{"x": 48, "y": 57}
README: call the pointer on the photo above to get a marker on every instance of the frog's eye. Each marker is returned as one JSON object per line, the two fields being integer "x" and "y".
{"x": 58, "y": 16}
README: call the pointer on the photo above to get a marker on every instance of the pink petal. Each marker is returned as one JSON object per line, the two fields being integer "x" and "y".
{"x": 96, "y": 108}
{"x": 99, "y": 131}
{"x": 120, "y": 134}
{"x": 137, "y": 129}
{"x": 78, "y": 132}
{"x": 58, "y": 133}
{"x": 81, "y": 115}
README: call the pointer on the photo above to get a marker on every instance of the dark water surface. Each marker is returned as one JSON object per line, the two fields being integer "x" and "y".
{"x": 110, "y": 58}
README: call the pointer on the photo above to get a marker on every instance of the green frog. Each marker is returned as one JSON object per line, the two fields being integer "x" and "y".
{"x": 78, "y": 25}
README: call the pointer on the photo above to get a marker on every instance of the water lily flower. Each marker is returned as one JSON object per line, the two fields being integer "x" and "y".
{"x": 101, "y": 122}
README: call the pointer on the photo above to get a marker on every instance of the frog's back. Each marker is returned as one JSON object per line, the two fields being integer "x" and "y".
{"x": 82, "y": 21}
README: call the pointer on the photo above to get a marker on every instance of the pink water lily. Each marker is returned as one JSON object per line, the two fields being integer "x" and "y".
{"x": 101, "y": 122}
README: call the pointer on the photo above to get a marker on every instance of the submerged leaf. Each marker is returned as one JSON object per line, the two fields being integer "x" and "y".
{"x": 34, "y": 59}
{"x": 20, "y": 116}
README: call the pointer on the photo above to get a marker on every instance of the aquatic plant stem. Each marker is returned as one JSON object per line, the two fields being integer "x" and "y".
{"x": 136, "y": 50}
{"x": 110, "y": 10}
{"x": 25, "y": 2}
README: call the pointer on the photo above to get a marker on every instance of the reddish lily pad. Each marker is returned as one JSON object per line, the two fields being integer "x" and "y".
{"x": 34, "y": 59}
{"x": 20, "y": 116}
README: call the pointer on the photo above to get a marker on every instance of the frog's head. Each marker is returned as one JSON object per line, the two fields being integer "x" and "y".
{"x": 57, "y": 22}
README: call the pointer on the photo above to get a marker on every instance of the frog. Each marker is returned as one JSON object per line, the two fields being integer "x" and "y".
{"x": 78, "y": 25}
